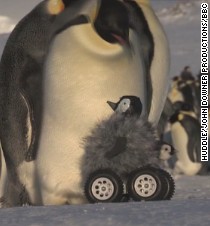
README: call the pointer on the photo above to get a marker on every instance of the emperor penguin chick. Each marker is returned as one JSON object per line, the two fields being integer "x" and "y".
{"x": 122, "y": 142}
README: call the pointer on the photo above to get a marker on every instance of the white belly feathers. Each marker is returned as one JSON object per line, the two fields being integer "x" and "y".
{"x": 82, "y": 73}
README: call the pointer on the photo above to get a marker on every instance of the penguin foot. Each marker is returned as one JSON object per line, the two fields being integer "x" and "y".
{"x": 24, "y": 198}
{"x": 4, "y": 203}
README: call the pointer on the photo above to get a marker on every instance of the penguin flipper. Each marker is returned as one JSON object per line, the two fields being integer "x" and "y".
{"x": 154, "y": 46}
{"x": 146, "y": 48}
{"x": 119, "y": 147}
{"x": 192, "y": 127}
{"x": 31, "y": 90}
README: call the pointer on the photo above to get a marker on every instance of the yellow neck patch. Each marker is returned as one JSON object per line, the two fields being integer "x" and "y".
{"x": 146, "y": 2}
{"x": 180, "y": 117}
{"x": 54, "y": 7}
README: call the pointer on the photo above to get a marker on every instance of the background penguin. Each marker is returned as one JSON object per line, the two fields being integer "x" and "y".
{"x": 108, "y": 57}
{"x": 166, "y": 151}
{"x": 185, "y": 131}
{"x": 21, "y": 77}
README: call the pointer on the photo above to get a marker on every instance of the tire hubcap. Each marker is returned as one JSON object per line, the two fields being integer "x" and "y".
{"x": 145, "y": 185}
{"x": 102, "y": 188}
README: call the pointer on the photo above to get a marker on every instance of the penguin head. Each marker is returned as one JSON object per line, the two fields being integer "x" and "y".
{"x": 127, "y": 105}
{"x": 112, "y": 22}
{"x": 182, "y": 106}
{"x": 166, "y": 151}
{"x": 175, "y": 80}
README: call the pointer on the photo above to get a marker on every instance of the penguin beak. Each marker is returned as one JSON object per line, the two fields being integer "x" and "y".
{"x": 112, "y": 105}
{"x": 174, "y": 151}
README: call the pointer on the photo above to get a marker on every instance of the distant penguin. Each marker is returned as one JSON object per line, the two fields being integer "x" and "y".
{"x": 123, "y": 142}
{"x": 175, "y": 93}
{"x": 21, "y": 93}
{"x": 185, "y": 132}
{"x": 186, "y": 73}
{"x": 167, "y": 112}
{"x": 166, "y": 151}
{"x": 110, "y": 56}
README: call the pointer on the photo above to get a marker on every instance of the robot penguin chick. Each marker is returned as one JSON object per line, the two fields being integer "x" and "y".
{"x": 123, "y": 142}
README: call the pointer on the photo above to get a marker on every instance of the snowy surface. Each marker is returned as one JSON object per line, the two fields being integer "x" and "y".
{"x": 191, "y": 203}
{"x": 189, "y": 206}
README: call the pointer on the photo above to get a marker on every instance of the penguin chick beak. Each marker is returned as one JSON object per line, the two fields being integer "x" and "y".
{"x": 174, "y": 151}
{"x": 112, "y": 105}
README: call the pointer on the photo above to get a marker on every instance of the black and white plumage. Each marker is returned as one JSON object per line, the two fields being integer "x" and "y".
{"x": 21, "y": 89}
{"x": 123, "y": 142}
{"x": 127, "y": 105}
{"x": 166, "y": 151}
{"x": 185, "y": 132}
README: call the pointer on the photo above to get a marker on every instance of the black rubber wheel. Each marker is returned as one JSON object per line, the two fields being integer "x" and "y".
{"x": 103, "y": 186}
{"x": 169, "y": 185}
{"x": 145, "y": 184}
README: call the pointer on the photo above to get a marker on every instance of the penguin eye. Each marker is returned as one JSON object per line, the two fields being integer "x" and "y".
{"x": 166, "y": 148}
{"x": 124, "y": 105}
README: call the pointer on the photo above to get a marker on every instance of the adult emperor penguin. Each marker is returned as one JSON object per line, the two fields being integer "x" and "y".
{"x": 121, "y": 51}
{"x": 185, "y": 131}
{"x": 21, "y": 80}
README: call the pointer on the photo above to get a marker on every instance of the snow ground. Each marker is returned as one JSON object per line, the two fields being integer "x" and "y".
{"x": 191, "y": 203}
{"x": 189, "y": 206}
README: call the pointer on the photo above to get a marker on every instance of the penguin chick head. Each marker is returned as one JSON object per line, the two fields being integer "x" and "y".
{"x": 166, "y": 151}
{"x": 112, "y": 22}
{"x": 127, "y": 105}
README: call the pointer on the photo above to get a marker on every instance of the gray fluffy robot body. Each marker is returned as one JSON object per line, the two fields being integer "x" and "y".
{"x": 124, "y": 149}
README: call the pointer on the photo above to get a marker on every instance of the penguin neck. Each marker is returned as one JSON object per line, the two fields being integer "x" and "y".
{"x": 146, "y": 2}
